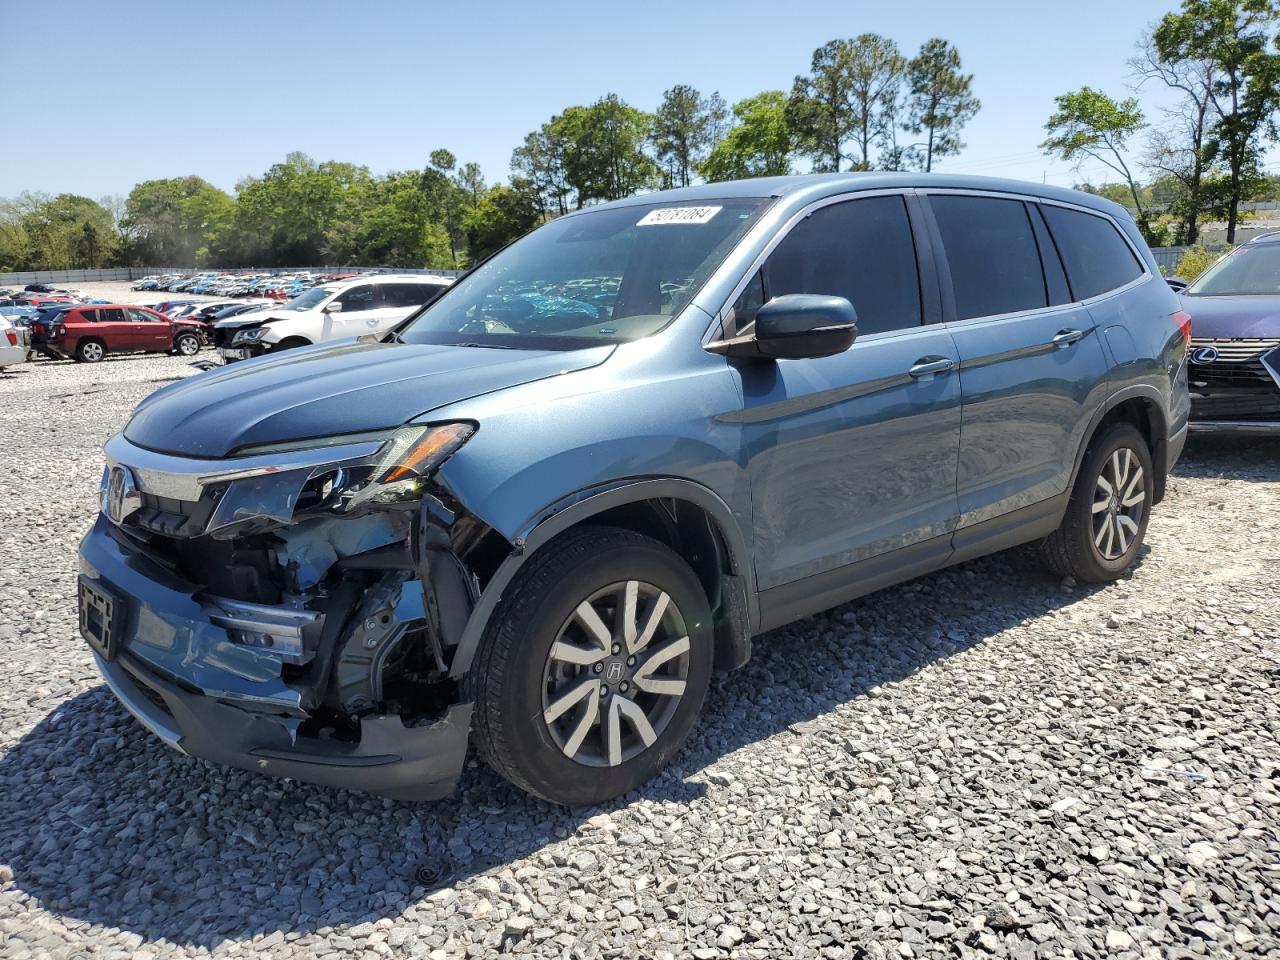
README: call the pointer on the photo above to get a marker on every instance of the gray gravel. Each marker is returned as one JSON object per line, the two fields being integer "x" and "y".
{"x": 985, "y": 761}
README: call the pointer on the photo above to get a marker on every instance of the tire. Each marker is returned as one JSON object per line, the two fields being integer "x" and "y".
{"x": 90, "y": 351}
{"x": 1082, "y": 547}
{"x": 186, "y": 344}
{"x": 521, "y": 727}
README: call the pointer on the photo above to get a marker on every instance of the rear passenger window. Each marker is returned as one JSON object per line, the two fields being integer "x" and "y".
{"x": 409, "y": 294}
{"x": 112, "y": 315}
{"x": 861, "y": 250}
{"x": 992, "y": 254}
{"x": 1097, "y": 258}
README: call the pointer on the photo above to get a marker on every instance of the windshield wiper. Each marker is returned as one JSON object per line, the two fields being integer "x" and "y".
{"x": 487, "y": 346}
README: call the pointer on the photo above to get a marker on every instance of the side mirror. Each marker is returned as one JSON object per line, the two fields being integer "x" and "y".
{"x": 796, "y": 326}
{"x": 334, "y": 307}
{"x": 1176, "y": 284}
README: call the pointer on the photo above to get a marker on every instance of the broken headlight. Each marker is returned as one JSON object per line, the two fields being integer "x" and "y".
{"x": 395, "y": 472}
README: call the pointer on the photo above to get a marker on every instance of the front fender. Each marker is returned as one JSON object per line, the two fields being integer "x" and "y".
{"x": 575, "y": 508}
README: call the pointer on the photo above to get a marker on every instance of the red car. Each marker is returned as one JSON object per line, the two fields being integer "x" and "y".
{"x": 89, "y": 333}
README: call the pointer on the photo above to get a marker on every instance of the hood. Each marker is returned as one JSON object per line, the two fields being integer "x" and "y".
{"x": 345, "y": 387}
{"x": 1228, "y": 318}
{"x": 250, "y": 319}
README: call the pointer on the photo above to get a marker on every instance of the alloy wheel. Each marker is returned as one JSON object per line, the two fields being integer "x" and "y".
{"x": 188, "y": 346}
{"x": 92, "y": 352}
{"x": 615, "y": 674}
{"x": 1119, "y": 498}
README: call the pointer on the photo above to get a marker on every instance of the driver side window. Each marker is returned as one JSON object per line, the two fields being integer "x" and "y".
{"x": 861, "y": 250}
{"x": 359, "y": 298}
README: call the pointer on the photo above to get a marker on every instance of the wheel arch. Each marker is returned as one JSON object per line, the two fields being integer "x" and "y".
{"x": 1142, "y": 406}
{"x": 686, "y": 516}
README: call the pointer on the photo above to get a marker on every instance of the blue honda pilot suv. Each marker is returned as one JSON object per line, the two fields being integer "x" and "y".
{"x": 536, "y": 516}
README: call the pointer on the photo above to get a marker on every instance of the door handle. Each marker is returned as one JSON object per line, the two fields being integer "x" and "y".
{"x": 1065, "y": 338}
{"x": 926, "y": 367}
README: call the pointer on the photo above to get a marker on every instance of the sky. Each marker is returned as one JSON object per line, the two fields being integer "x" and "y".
{"x": 128, "y": 91}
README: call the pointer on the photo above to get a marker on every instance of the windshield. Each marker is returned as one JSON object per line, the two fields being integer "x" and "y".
{"x": 1248, "y": 270}
{"x": 602, "y": 276}
{"x": 309, "y": 300}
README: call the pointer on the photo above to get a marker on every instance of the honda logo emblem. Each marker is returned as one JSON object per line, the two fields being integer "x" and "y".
{"x": 614, "y": 673}
{"x": 121, "y": 498}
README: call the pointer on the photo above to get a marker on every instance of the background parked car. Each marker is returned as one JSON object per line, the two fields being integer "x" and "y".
{"x": 13, "y": 343}
{"x": 88, "y": 334}
{"x": 366, "y": 305}
{"x": 1235, "y": 350}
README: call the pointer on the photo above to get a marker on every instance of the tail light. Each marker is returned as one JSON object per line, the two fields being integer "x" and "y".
{"x": 38, "y": 328}
{"x": 59, "y": 331}
{"x": 1183, "y": 320}
{"x": 13, "y": 338}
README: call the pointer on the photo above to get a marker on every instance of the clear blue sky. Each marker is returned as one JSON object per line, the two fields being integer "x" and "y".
{"x": 223, "y": 90}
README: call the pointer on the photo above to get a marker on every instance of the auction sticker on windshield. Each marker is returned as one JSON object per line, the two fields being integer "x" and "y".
{"x": 678, "y": 215}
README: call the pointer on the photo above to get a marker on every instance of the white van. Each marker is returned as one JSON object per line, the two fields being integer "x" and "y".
{"x": 331, "y": 311}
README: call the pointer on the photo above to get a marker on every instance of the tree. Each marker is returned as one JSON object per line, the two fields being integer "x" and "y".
{"x": 168, "y": 221}
{"x": 941, "y": 99}
{"x": 1233, "y": 38}
{"x": 445, "y": 199}
{"x": 55, "y": 233}
{"x": 760, "y": 144}
{"x": 540, "y": 161}
{"x": 1180, "y": 147}
{"x": 683, "y": 131}
{"x": 604, "y": 156}
{"x": 1089, "y": 124}
{"x": 282, "y": 217}
{"x": 851, "y": 86}
{"x": 503, "y": 214}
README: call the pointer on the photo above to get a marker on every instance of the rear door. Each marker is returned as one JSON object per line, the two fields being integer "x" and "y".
{"x": 852, "y": 457}
{"x": 114, "y": 328}
{"x": 401, "y": 299}
{"x": 1031, "y": 364}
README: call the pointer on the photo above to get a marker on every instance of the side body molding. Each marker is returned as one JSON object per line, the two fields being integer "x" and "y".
{"x": 584, "y": 504}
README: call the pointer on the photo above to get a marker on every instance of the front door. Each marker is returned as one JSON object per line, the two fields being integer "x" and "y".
{"x": 151, "y": 330}
{"x": 851, "y": 457}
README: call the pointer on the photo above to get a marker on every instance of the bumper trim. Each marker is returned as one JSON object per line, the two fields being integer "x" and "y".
{"x": 143, "y": 711}
{"x": 391, "y": 760}
{"x": 1242, "y": 427}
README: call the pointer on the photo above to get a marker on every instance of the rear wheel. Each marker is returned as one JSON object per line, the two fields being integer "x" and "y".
{"x": 90, "y": 351}
{"x": 186, "y": 344}
{"x": 594, "y": 669}
{"x": 1106, "y": 518}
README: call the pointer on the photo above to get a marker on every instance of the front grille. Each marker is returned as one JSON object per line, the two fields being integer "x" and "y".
{"x": 1242, "y": 382}
{"x": 173, "y": 518}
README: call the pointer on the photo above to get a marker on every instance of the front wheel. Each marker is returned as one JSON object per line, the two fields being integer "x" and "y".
{"x": 186, "y": 345}
{"x": 1107, "y": 514}
{"x": 594, "y": 668}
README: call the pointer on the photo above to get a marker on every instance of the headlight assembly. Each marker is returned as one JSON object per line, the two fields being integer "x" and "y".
{"x": 252, "y": 335}
{"x": 393, "y": 473}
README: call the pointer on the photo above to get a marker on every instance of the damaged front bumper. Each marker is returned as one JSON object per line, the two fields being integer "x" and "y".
{"x": 341, "y": 678}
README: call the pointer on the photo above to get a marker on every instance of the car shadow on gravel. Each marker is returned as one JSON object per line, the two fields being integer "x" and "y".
{"x": 102, "y": 824}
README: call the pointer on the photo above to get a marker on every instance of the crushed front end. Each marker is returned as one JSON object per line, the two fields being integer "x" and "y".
{"x": 292, "y": 610}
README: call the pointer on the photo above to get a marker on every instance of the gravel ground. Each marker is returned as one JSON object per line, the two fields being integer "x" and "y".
{"x": 982, "y": 761}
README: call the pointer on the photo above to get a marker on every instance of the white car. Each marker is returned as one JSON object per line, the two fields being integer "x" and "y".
{"x": 13, "y": 343}
{"x": 331, "y": 311}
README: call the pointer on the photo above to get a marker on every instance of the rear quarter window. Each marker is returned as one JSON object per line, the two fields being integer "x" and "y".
{"x": 1096, "y": 257}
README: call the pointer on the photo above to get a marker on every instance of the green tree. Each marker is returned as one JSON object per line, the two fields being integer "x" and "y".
{"x": 540, "y": 160}
{"x": 604, "y": 150}
{"x": 849, "y": 94}
{"x": 941, "y": 99}
{"x": 504, "y": 214}
{"x": 446, "y": 200}
{"x": 63, "y": 232}
{"x": 1088, "y": 124}
{"x": 760, "y": 144}
{"x": 1234, "y": 38}
{"x": 683, "y": 130}
{"x": 168, "y": 221}
{"x": 282, "y": 217}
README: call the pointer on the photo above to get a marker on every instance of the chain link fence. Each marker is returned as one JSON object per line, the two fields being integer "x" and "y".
{"x": 136, "y": 273}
